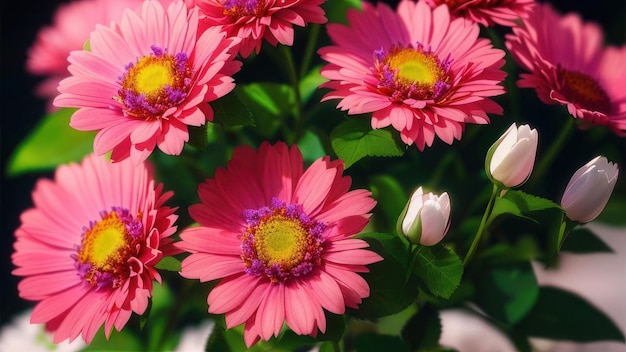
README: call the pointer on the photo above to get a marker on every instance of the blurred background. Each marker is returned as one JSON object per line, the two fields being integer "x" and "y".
{"x": 21, "y": 111}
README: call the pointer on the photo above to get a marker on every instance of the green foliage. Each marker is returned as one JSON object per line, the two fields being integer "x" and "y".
{"x": 389, "y": 293}
{"x": 355, "y": 139}
{"x": 439, "y": 268}
{"x": 169, "y": 264}
{"x": 562, "y": 315}
{"x": 51, "y": 143}
{"x": 507, "y": 293}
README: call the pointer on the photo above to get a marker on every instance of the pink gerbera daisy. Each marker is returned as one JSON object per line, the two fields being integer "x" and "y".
{"x": 416, "y": 69}
{"x": 569, "y": 65}
{"x": 69, "y": 31}
{"x": 255, "y": 20}
{"x": 280, "y": 238}
{"x": 146, "y": 79}
{"x": 488, "y": 12}
{"x": 88, "y": 247}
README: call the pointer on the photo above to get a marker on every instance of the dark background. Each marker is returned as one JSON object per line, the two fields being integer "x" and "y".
{"x": 21, "y": 109}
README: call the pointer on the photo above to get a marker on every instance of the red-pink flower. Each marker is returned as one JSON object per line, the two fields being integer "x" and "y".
{"x": 280, "y": 238}
{"x": 488, "y": 12}
{"x": 256, "y": 20}
{"x": 69, "y": 31}
{"x": 146, "y": 79}
{"x": 568, "y": 64}
{"x": 88, "y": 247}
{"x": 416, "y": 69}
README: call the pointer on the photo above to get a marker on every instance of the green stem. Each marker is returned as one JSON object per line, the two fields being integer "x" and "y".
{"x": 309, "y": 49}
{"x": 295, "y": 83}
{"x": 483, "y": 225}
{"x": 555, "y": 148}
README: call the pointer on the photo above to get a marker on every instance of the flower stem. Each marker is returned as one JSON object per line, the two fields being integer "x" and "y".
{"x": 309, "y": 49}
{"x": 483, "y": 223}
{"x": 295, "y": 83}
{"x": 555, "y": 148}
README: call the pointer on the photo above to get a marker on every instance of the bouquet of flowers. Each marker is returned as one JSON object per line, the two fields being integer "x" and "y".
{"x": 295, "y": 175}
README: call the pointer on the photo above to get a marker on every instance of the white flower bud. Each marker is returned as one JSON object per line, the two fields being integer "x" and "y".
{"x": 427, "y": 218}
{"x": 511, "y": 158}
{"x": 589, "y": 190}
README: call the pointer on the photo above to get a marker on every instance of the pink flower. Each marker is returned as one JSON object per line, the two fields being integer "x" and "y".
{"x": 280, "y": 238}
{"x": 146, "y": 79}
{"x": 568, "y": 65}
{"x": 255, "y": 20}
{"x": 69, "y": 31}
{"x": 416, "y": 69}
{"x": 488, "y": 12}
{"x": 88, "y": 247}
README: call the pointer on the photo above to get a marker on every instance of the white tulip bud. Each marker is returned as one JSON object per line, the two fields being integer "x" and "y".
{"x": 426, "y": 218}
{"x": 589, "y": 190}
{"x": 511, "y": 158}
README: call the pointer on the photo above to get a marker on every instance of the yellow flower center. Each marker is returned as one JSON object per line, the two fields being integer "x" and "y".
{"x": 151, "y": 75}
{"x": 282, "y": 241}
{"x": 154, "y": 84}
{"x": 414, "y": 67}
{"x": 412, "y": 73}
{"x": 106, "y": 248}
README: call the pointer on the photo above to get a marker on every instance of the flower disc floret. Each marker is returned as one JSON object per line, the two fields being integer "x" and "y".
{"x": 412, "y": 73}
{"x": 155, "y": 83}
{"x": 281, "y": 242}
{"x": 106, "y": 247}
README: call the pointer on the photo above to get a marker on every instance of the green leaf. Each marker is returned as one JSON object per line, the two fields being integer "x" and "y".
{"x": 123, "y": 340}
{"x": 563, "y": 315}
{"x": 508, "y": 293}
{"x": 310, "y": 83}
{"x": 169, "y": 264}
{"x": 522, "y": 250}
{"x": 270, "y": 103}
{"x": 229, "y": 111}
{"x": 198, "y": 137}
{"x": 355, "y": 139}
{"x": 374, "y": 342}
{"x": 217, "y": 340}
{"x": 528, "y": 202}
{"x": 311, "y": 147}
{"x": 143, "y": 319}
{"x": 583, "y": 240}
{"x": 423, "y": 330}
{"x": 336, "y": 9}
{"x": 51, "y": 143}
{"x": 504, "y": 206}
{"x": 388, "y": 292}
{"x": 439, "y": 268}
{"x": 391, "y": 199}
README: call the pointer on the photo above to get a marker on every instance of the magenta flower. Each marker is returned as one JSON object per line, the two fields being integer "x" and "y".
{"x": 569, "y": 65}
{"x": 280, "y": 238}
{"x": 88, "y": 247}
{"x": 416, "y": 69}
{"x": 146, "y": 79}
{"x": 488, "y": 12}
{"x": 256, "y": 20}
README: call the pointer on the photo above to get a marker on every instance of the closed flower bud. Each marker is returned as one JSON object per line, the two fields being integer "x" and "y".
{"x": 511, "y": 158}
{"x": 589, "y": 190}
{"x": 426, "y": 218}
